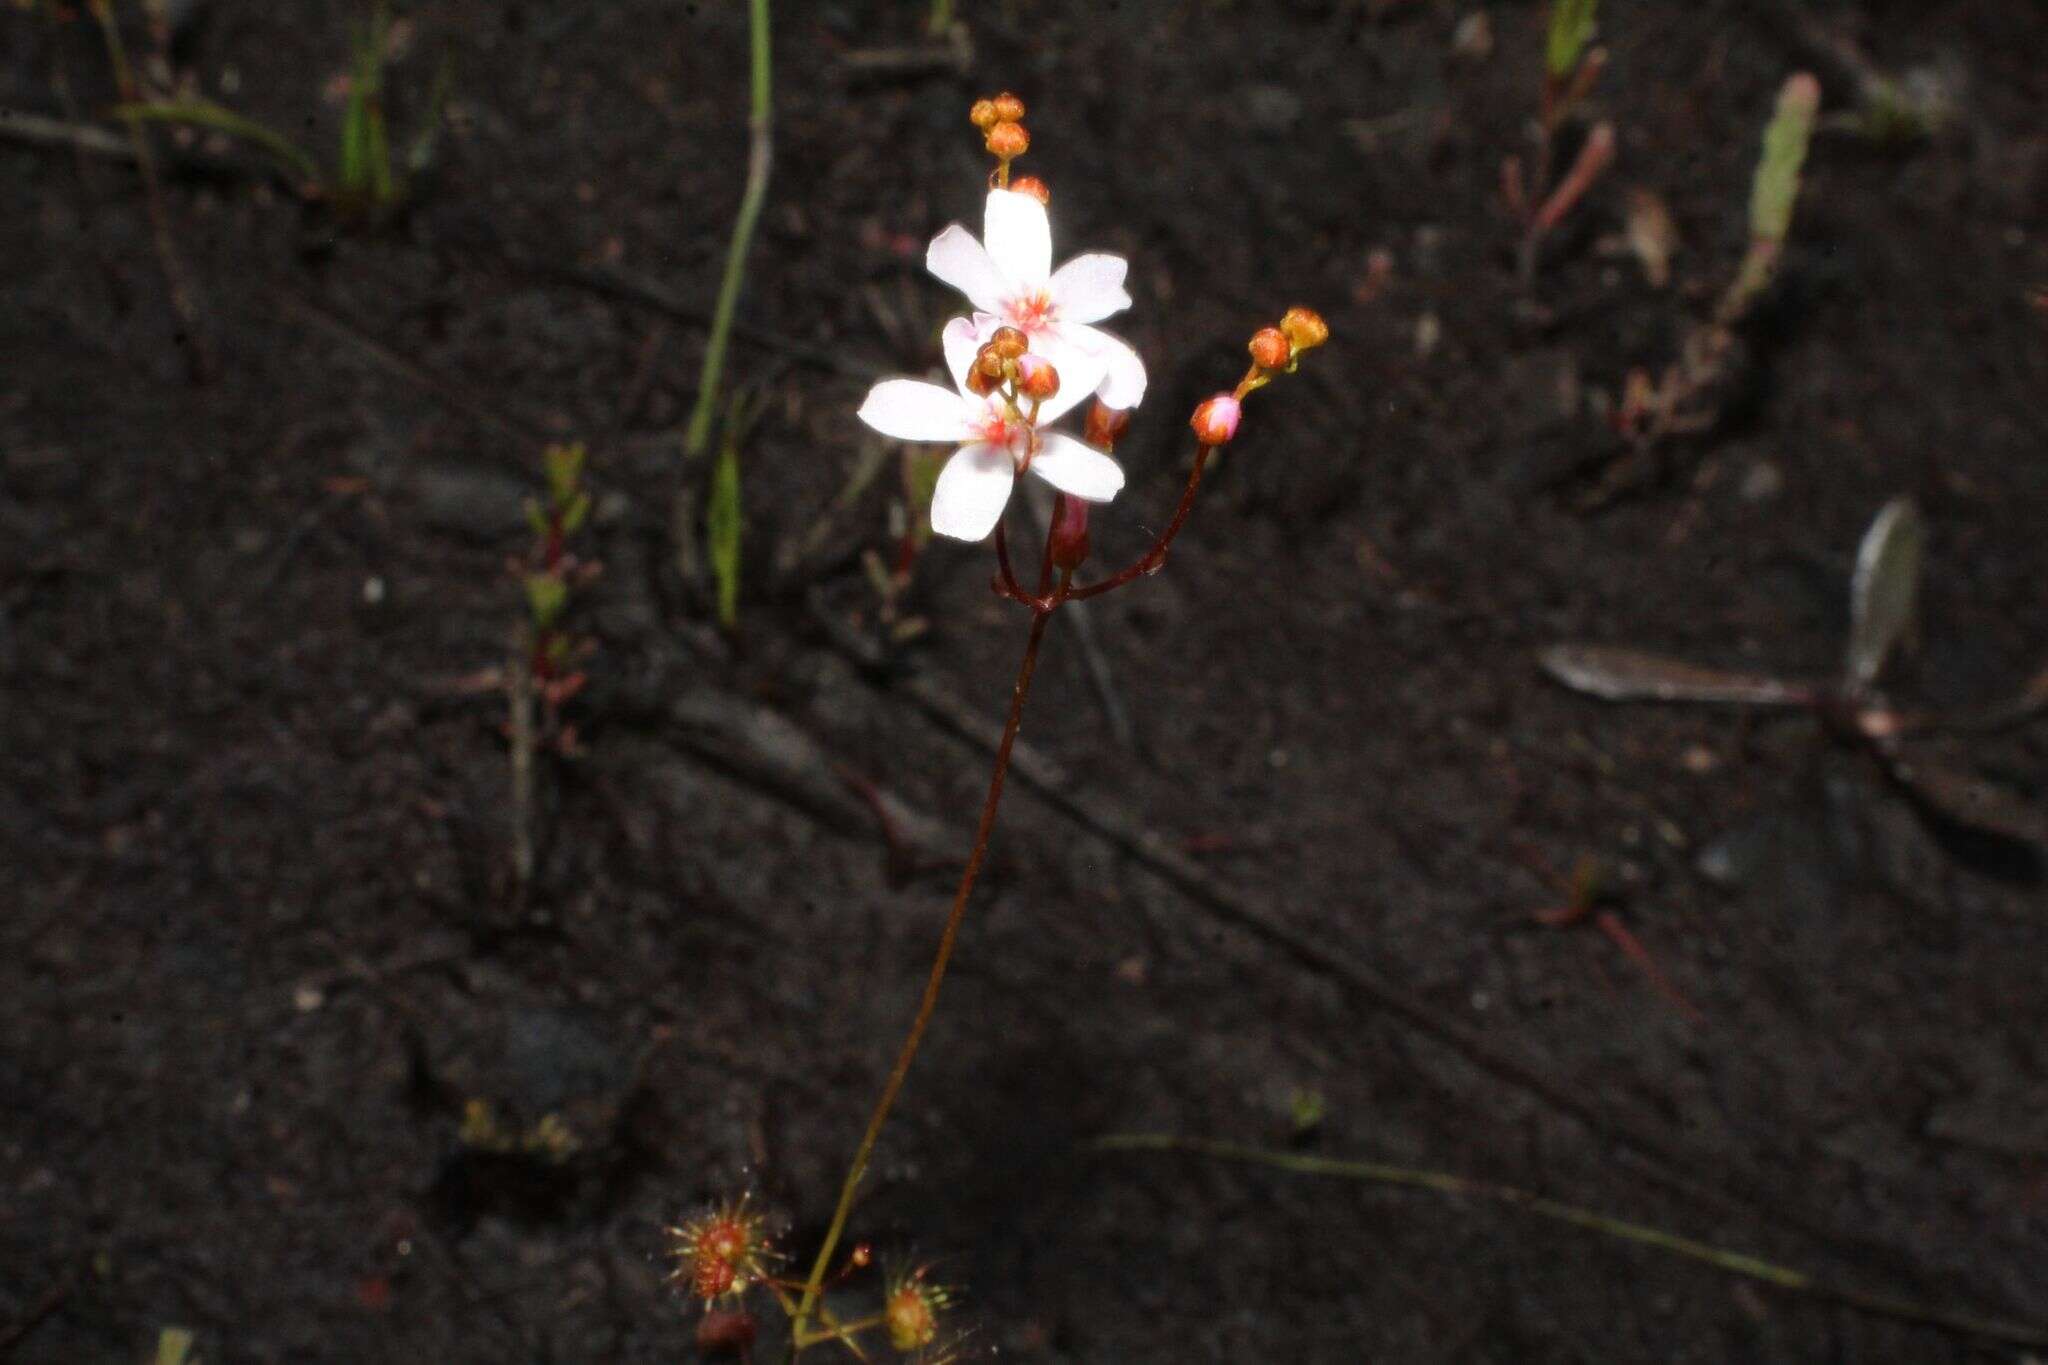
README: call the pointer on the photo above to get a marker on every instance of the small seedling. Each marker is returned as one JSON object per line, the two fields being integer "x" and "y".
{"x": 365, "y": 181}
{"x": 1883, "y": 594}
{"x": 1692, "y": 392}
{"x": 724, "y": 1254}
{"x": 1571, "y": 67}
{"x": 1588, "y": 899}
{"x": 545, "y": 671}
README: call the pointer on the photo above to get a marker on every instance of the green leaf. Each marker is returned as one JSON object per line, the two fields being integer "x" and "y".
{"x": 365, "y": 150}
{"x": 536, "y": 519}
{"x": 574, "y": 515}
{"x": 1571, "y": 28}
{"x": 1777, "y": 174}
{"x": 546, "y": 595}
{"x": 174, "y": 1347}
{"x": 1884, "y": 592}
{"x": 564, "y": 467}
{"x": 722, "y": 529}
{"x": 207, "y": 114}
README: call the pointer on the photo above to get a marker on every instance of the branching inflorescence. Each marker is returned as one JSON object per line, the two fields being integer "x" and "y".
{"x": 1027, "y": 355}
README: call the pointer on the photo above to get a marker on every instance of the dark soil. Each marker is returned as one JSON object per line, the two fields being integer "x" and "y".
{"x": 263, "y": 953}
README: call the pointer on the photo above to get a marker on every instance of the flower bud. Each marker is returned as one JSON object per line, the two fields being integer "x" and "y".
{"x": 1009, "y": 109}
{"x": 1008, "y": 342}
{"x": 1270, "y": 348}
{"x": 1304, "y": 328}
{"x": 1036, "y": 378}
{"x": 1106, "y": 425}
{"x": 1007, "y": 140}
{"x": 1215, "y": 420}
{"x": 1033, "y": 186}
{"x": 1069, "y": 533}
{"x": 980, "y": 382}
{"x": 983, "y": 115}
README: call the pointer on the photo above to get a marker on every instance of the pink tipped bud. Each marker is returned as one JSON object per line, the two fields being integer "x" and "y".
{"x": 1106, "y": 425}
{"x": 1036, "y": 378}
{"x": 1215, "y": 420}
{"x": 1033, "y": 186}
{"x": 1069, "y": 533}
{"x": 1801, "y": 94}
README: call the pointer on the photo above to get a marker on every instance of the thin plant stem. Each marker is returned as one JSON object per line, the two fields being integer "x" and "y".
{"x": 1731, "y": 1262}
{"x": 198, "y": 353}
{"x": 760, "y": 154}
{"x": 1154, "y": 559}
{"x": 1040, "y": 615}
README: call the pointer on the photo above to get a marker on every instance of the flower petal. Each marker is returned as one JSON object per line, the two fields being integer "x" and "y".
{"x": 1019, "y": 238}
{"x": 962, "y": 342}
{"x": 972, "y": 491}
{"x": 957, "y": 259}
{"x": 1081, "y": 373}
{"x": 912, "y": 410}
{"x": 1089, "y": 288}
{"x": 1123, "y": 375}
{"x": 1079, "y": 356}
{"x": 1074, "y": 468}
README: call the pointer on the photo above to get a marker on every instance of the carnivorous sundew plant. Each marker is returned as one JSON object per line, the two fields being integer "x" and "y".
{"x": 1025, "y": 357}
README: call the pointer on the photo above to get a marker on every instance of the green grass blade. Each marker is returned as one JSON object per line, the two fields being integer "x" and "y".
{"x": 1777, "y": 174}
{"x": 1571, "y": 28}
{"x": 722, "y": 525}
{"x": 206, "y": 114}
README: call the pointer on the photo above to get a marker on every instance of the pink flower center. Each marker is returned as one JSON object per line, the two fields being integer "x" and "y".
{"x": 1032, "y": 312}
{"x": 998, "y": 429}
{"x": 1004, "y": 432}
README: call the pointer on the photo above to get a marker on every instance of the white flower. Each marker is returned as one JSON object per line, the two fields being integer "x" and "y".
{"x": 1009, "y": 278}
{"x": 996, "y": 444}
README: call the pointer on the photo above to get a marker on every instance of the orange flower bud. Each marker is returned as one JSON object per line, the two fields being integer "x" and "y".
{"x": 1270, "y": 348}
{"x": 983, "y": 115}
{"x": 979, "y": 381}
{"x": 1215, "y": 420}
{"x": 1008, "y": 140}
{"x": 1009, "y": 343}
{"x": 1106, "y": 425}
{"x": 1033, "y": 186}
{"x": 1036, "y": 378}
{"x": 1304, "y": 328}
{"x": 1009, "y": 109}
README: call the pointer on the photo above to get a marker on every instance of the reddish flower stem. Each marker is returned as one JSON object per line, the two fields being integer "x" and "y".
{"x": 1041, "y": 613}
{"x": 1154, "y": 559}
